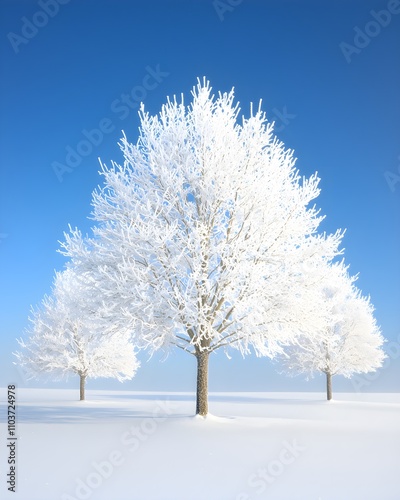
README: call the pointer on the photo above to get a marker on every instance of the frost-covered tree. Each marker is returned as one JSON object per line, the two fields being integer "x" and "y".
{"x": 69, "y": 335}
{"x": 203, "y": 234}
{"x": 350, "y": 341}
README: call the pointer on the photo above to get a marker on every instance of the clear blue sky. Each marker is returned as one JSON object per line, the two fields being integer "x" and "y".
{"x": 338, "y": 107}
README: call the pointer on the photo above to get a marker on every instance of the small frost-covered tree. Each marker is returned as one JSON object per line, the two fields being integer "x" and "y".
{"x": 69, "y": 335}
{"x": 203, "y": 234}
{"x": 350, "y": 341}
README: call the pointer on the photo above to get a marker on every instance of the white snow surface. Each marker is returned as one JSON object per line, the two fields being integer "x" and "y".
{"x": 124, "y": 445}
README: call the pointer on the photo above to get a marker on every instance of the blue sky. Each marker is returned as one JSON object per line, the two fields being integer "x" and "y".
{"x": 328, "y": 75}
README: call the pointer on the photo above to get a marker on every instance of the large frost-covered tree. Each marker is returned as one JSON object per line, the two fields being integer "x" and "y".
{"x": 203, "y": 235}
{"x": 349, "y": 342}
{"x": 69, "y": 335}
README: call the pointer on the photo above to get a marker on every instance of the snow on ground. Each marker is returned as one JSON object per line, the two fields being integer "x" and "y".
{"x": 148, "y": 446}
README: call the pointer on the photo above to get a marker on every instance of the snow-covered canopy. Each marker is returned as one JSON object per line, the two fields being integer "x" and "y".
{"x": 204, "y": 234}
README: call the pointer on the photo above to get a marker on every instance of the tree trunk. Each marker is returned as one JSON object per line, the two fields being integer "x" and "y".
{"x": 328, "y": 386}
{"x": 82, "y": 380}
{"x": 202, "y": 383}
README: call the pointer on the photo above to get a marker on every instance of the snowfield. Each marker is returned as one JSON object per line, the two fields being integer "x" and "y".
{"x": 121, "y": 445}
